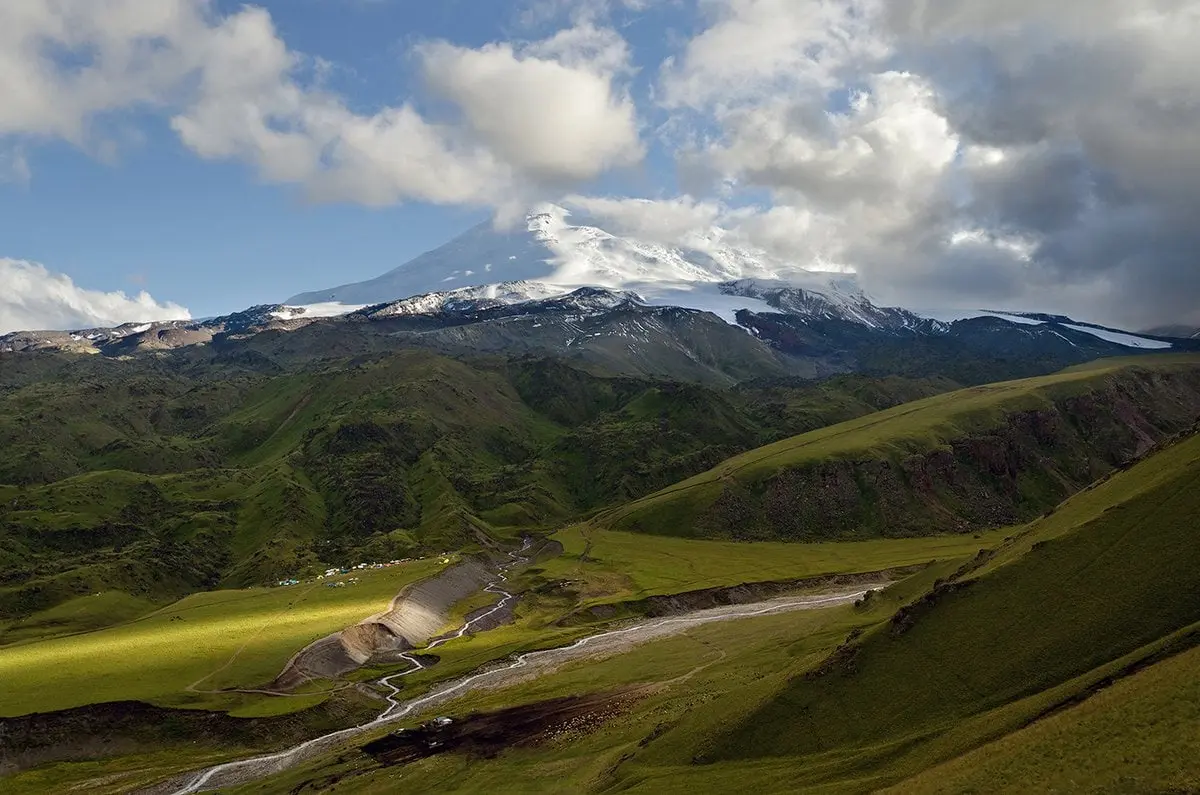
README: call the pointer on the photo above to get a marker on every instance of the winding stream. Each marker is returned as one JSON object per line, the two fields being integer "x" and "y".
{"x": 617, "y": 640}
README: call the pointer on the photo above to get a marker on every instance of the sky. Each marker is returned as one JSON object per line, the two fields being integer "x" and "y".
{"x": 173, "y": 158}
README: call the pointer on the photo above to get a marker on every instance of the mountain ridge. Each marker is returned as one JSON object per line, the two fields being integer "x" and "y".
{"x": 706, "y": 312}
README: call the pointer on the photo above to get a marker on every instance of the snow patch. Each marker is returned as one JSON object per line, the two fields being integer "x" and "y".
{"x": 1120, "y": 338}
{"x": 704, "y": 297}
{"x": 326, "y": 309}
{"x": 955, "y": 315}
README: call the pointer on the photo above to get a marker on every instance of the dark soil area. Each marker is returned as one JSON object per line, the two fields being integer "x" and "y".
{"x": 487, "y": 734}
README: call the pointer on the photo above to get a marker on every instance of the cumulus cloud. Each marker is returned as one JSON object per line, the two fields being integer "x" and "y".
{"x": 1029, "y": 154}
{"x": 536, "y": 13}
{"x": 36, "y": 298}
{"x": 14, "y": 167}
{"x": 759, "y": 49}
{"x": 552, "y": 109}
{"x": 890, "y": 144}
{"x": 233, "y": 89}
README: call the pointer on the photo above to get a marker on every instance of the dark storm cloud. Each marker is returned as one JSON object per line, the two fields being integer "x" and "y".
{"x": 1092, "y": 110}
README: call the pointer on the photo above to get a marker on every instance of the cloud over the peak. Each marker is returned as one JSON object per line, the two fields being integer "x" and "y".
{"x": 551, "y": 110}
{"x": 1034, "y": 155}
{"x": 35, "y": 298}
{"x": 1029, "y": 154}
{"x": 666, "y": 221}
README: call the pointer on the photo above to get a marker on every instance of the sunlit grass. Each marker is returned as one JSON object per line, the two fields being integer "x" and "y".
{"x": 215, "y": 640}
{"x": 628, "y": 565}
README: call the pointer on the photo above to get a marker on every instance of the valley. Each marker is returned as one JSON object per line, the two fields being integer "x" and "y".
{"x": 554, "y": 397}
{"x": 678, "y": 546}
{"x": 715, "y": 704}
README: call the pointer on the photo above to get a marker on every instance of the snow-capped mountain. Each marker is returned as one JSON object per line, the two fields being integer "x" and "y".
{"x": 467, "y": 298}
{"x": 707, "y": 311}
{"x": 549, "y": 255}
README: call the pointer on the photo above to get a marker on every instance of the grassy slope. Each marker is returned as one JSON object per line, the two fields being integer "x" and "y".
{"x": 222, "y": 638}
{"x": 154, "y": 537}
{"x": 620, "y": 566}
{"x": 82, "y": 614}
{"x": 650, "y": 564}
{"x": 920, "y": 426}
{"x": 1024, "y": 635}
{"x": 1132, "y": 736}
{"x": 1041, "y": 629}
{"x": 1139, "y": 735}
{"x": 1104, "y": 592}
{"x": 119, "y": 678}
{"x": 728, "y": 668}
{"x": 273, "y": 623}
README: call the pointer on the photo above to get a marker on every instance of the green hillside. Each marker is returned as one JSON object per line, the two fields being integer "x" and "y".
{"x": 981, "y": 457}
{"x": 1139, "y": 735}
{"x": 1016, "y": 644}
{"x": 159, "y": 477}
{"x": 1065, "y": 660}
{"x": 611, "y": 566}
{"x": 999, "y": 644}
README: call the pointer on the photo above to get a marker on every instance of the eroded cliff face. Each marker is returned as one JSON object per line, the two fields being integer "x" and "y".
{"x": 416, "y": 613}
{"x": 992, "y": 477}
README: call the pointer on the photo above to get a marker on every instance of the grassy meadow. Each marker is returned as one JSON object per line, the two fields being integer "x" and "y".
{"x": 1070, "y": 638}
{"x": 695, "y": 683}
{"x": 621, "y": 567}
{"x": 213, "y": 640}
{"x": 242, "y": 638}
{"x": 613, "y": 565}
{"x": 82, "y": 614}
{"x": 1023, "y": 635}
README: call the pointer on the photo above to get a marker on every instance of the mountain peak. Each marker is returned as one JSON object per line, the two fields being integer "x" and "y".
{"x": 551, "y": 249}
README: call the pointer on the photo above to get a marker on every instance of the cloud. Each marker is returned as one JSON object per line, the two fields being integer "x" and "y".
{"x": 14, "y": 167}
{"x": 667, "y": 221}
{"x": 757, "y": 49}
{"x": 36, "y": 298}
{"x": 1030, "y": 154}
{"x": 1027, "y": 154}
{"x": 890, "y": 143}
{"x": 537, "y": 13}
{"x": 1086, "y": 109}
{"x": 549, "y": 112}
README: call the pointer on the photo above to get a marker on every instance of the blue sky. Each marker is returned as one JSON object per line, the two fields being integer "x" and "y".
{"x": 166, "y": 157}
{"x": 212, "y": 235}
